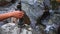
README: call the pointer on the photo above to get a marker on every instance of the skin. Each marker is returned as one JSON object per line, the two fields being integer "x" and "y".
{"x": 15, "y": 14}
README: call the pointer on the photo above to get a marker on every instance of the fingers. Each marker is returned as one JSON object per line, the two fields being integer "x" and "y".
{"x": 18, "y": 14}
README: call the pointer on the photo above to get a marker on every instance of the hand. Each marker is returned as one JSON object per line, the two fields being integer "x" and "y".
{"x": 18, "y": 14}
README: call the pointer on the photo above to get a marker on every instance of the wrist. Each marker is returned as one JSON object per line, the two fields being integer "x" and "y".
{"x": 10, "y": 14}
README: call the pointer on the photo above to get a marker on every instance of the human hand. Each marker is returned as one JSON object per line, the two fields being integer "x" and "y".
{"x": 17, "y": 14}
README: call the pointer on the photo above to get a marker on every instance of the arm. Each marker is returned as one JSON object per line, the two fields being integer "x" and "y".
{"x": 5, "y": 16}
{"x": 16, "y": 14}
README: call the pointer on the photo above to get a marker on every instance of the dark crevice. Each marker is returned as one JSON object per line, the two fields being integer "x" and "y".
{"x": 44, "y": 16}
